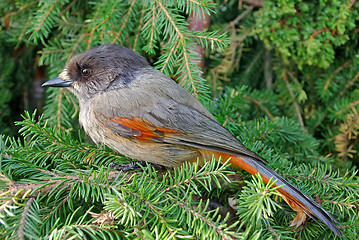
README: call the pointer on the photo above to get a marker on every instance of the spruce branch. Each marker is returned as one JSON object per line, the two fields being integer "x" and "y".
{"x": 58, "y": 112}
{"x": 140, "y": 26}
{"x": 260, "y": 105}
{"x": 125, "y": 20}
{"x": 46, "y": 15}
{"x": 44, "y": 21}
{"x": 20, "y": 231}
{"x": 78, "y": 184}
{"x": 197, "y": 215}
{"x": 295, "y": 102}
{"x": 182, "y": 43}
{"x": 23, "y": 32}
{"x": 335, "y": 72}
{"x": 170, "y": 57}
{"x": 234, "y": 22}
{"x": 350, "y": 106}
{"x": 348, "y": 85}
{"x": 98, "y": 25}
{"x": 152, "y": 20}
{"x": 21, "y": 9}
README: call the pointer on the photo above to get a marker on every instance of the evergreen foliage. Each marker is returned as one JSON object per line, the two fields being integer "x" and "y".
{"x": 282, "y": 77}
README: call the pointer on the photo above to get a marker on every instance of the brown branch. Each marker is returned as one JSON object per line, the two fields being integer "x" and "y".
{"x": 104, "y": 218}
{"x": 98, "y": 25}
{"x": 295, "y": 80}
{"x": 203, "y": 37}
{"x": 58, "y": 112}
{"x": 353, "y": 104}
{"x": 345, "y": 65}
{"x": 352, "y": 3}
{"x": 295, "y": 102}
{"x": 57, "y": 207}
{"x": 139, "y": 30}
{"x": 172, "y": 51}
{"x": 54, "y": 51}
{"x": 271, "y": 229}
{"x": 124, "y": 21}
{"x": 237, "y": 19}
{"x": 153, "y": 25}
{"x": 347, "y": 205}
{"x": 150, "y": 20}
{"x": 73, "y": 50}
{"x": 317, "y": 32}
{"x": 225, "y": 121}
{"x": 67, "y": 181}
{"x": 348, "y": 85}
{"x": 197, "y": 2}
{"x": 196, "y": 215}
{"x": 89, "y": 158}
{"x": 190, "y": 179}
{"x": 260, "y": 105}
{"x": 93, "y": 31}
{"x": 45, "y": 17}
{"x": 180, "y": 35}
{"x": 24, "y": 214}
{"x": 189, "y": 73}
{"x": 334, "y": 32}
{"x": 255, "y": 3}
{"x": 25, "y": 28}
{"x": 268, "y": 70}
{"x": 249, "y": 68}
{"x": 22, "y": 8}
{"x": 67, "y": 7}
{"x": 185, "y": 54}
{"x": 311, "y": 82}
{"x": 70, "y": 96}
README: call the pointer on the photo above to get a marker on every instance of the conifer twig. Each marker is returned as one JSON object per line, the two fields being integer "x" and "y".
{"x": 24, "y": 215}
{"x": 124, "y": 21}
{"x": 237, "y": 19}
{"x": 39, "y": 26}
{"x": 295, "y": 102}
{"x": 186, "y": 60}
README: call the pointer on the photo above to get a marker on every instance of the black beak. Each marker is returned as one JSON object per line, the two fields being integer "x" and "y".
{"x": 57, "y": 82}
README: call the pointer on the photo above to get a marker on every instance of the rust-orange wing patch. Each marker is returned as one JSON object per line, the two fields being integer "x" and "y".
{"x": 147, "y": 130}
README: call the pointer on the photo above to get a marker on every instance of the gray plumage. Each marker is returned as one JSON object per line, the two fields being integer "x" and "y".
{"x": 143, "y": 114}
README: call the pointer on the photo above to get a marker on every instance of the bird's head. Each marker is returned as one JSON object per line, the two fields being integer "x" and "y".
{"x": 99, "y": 69}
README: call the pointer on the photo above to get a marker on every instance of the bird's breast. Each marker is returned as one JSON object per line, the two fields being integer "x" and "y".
{"x": 90, "y": 123}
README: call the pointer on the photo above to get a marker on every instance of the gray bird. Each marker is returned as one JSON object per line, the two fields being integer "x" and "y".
{"x": 143, "y": 114}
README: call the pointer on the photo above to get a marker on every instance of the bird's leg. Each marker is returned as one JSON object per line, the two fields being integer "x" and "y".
{"x": 132, "y": 166}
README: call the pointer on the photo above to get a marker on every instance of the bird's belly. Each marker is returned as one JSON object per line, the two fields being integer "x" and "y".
{"x": 168, "y": 155}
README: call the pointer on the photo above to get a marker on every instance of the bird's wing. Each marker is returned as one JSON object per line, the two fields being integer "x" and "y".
{"x": 149, "y": 117}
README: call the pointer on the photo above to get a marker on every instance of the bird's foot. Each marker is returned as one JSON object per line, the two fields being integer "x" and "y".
{"x": 132, "y": 166}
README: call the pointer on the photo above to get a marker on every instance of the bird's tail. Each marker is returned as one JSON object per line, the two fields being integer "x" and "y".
{"x": 295, "y": 198}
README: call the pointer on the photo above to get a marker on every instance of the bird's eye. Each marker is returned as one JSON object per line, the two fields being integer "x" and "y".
{"x": 85, "y": 72}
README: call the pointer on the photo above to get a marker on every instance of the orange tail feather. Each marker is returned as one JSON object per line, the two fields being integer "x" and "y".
{"x": 296, "y": 199}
